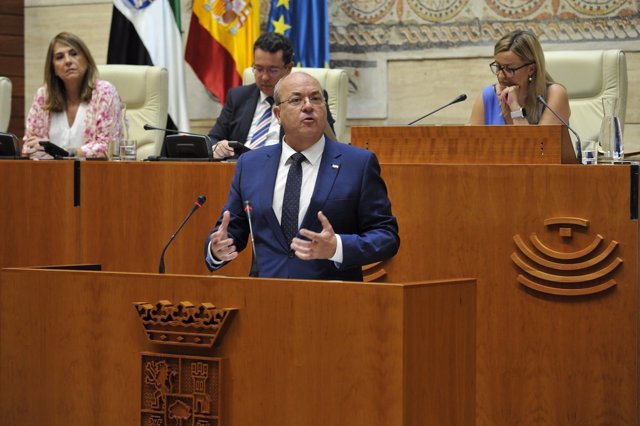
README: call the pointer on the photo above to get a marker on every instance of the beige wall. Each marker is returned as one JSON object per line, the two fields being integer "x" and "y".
{"x": 414, "y": 87}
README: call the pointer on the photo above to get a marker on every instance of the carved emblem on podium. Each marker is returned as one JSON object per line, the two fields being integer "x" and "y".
{"x": 587, "y": 270}
{"x": 182, "y": 390}
{"x": 183, "y": 325}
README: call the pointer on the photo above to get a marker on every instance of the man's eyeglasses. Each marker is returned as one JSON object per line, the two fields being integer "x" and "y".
{"x": 272, "y": 71}
{"x": 507, "y": 70}
{"x": 295, "y": 100}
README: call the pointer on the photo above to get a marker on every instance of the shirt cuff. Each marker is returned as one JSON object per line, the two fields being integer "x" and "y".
{"x": 212, "y": 260}
{"x": 337, "y": 257}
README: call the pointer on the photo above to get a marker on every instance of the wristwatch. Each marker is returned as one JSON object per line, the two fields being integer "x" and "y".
{"x": 519, "y": 113}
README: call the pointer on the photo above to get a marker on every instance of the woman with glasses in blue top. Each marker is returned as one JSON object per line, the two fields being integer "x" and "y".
{"x": 519, "y": 66}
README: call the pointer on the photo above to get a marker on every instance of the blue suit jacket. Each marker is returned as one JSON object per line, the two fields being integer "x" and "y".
{"x": 349, "y": 191}
{"x": 234, "y": 122}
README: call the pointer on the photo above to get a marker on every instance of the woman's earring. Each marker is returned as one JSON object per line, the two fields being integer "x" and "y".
{"x": 530, "y": 79}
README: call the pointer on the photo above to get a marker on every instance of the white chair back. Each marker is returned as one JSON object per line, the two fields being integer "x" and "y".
{"x": 5, "y": 103}
{"x": 590, "y": 76}
{"x": 145, "y": 92}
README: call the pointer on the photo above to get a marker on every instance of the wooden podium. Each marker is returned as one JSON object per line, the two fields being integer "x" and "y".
{"x": 542, "y": 358}
{"x": 467, "y": 144}
{"x": 295, "y": 353}
{"x": 555, "y": 249}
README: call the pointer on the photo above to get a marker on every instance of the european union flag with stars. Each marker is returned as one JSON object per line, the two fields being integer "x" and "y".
{"x": 306, "y": 24}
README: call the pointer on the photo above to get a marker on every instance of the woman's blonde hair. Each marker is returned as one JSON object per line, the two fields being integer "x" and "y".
{"x": 527, "y": 47}
{"x": 56, "y": 92}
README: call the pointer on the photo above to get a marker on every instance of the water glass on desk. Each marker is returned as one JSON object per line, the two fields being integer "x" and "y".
{"x": 113, "y": 150}
{"x": 589, "y": 156}
{"x": 589, "y": 152}
{"x": 128, "y": 150}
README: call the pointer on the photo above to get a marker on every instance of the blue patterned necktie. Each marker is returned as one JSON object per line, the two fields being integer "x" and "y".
{"x": 259, "y": 136}
{"x": 291, "y": 200}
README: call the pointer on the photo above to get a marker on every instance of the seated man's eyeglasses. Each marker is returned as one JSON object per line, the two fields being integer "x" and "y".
{"x": 297, "y": 100}
{"x": 508, "y": 71}
{"x": 272, "y": 71}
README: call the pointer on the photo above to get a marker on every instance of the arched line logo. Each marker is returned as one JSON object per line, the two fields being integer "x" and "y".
{"x": 577, "y": 273}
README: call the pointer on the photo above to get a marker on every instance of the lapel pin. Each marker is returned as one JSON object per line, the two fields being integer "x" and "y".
{"x": 335, "y": 166}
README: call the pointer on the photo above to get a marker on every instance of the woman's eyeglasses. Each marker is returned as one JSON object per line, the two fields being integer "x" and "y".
{"x": 507, "y": 70}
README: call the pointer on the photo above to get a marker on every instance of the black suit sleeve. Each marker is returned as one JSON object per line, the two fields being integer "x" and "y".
{"x": 222, "y": 129}
{"x": 236, "y": 116}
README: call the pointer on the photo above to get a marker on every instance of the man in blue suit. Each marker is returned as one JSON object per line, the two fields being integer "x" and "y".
{"x": 341, "y": 211}
{"x": 240, "y": 116}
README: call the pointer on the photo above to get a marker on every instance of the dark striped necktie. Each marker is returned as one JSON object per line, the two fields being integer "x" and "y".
{"x": 291, "y": 200}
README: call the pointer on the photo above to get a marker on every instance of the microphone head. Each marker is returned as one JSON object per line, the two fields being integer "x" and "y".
{"x": 148, "y": 127}
{"x": 461, "y": 98}
{"x": 247, "y": 206}
{"x": 202, "y": 199}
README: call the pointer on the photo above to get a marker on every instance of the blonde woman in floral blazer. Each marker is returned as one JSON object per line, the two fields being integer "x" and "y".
{"x": 73, "y": 109}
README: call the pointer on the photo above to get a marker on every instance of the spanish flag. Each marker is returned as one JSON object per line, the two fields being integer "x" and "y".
{"x": 220, "y": 42}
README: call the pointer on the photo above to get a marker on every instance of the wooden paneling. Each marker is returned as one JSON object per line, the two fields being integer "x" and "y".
{"x": 296, "y": 352}
{"x": 10, "y": 23}
{"x": 127, "y": 213}
{"x": 140, "y": 205}
{"x": 467, "y": 144}
{"x": 39, "y": 225}
{"x": 10, "y": 45}
{"x": 13, "y": 66}
{"x": 571, "y": 357}
{"x": 12, "y": 58}
{"x": 574, "y": 359}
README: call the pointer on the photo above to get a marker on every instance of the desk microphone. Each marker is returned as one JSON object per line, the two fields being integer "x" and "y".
{"x": 455, "y": 101}
{"x": 178, "y": 132}
{"x": 578, "y": 141}
{"x": 199, "y": 202}
{"x": 254, "y": 260}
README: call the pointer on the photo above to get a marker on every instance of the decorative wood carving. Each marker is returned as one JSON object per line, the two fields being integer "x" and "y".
{"x": 183, "y": 325}
{"x": 374, "y": 272}
{"x": 180, "y": 390}
{"x": 577, "y": 273}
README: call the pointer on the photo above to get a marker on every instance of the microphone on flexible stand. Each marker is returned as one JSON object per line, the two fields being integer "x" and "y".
{"x": 455, "y": 101}
{"x": 254, "y": 258}
{"x": 578, "y": 141}
{"x": 198, "y": 203}
{"x": 180, "y": 132}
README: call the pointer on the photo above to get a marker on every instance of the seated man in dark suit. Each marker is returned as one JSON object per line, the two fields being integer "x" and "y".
{"x": 320, "y": 208}
{"x": 246, "y": 116}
